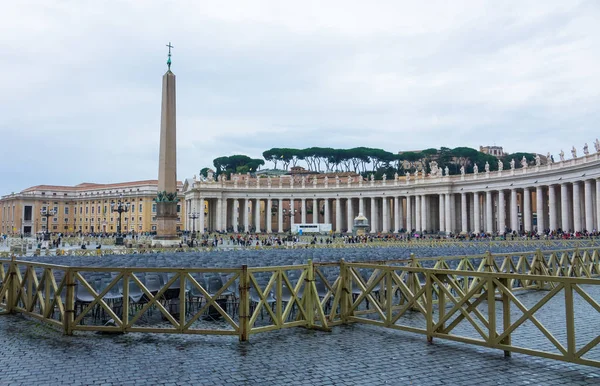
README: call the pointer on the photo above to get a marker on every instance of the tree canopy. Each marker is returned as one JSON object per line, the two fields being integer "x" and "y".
{"x": 365, "y": 160}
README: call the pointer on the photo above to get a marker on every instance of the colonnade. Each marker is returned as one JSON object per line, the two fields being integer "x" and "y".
{"x": 568, "y": 206}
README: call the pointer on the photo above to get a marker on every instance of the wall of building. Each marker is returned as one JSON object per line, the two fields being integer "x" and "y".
{"x": 84, "y": 208}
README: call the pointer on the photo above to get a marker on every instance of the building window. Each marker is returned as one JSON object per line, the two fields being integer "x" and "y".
{"x": 28, "y": 212}
{"x": 140, "y": 208}
{"x": 54, "y": 219}
{"x": 86, "y": 210}
{"x": 154, "y": 227}
{"x": 92, "y": 210}
{"x": 153, "y": 218}
{"x": 66, "y": 210}
{"x": 140, "y": 219}
{"x": 66, "y": 220}
{"x": 153, "y": 208}
{"x": 178, "y": 208}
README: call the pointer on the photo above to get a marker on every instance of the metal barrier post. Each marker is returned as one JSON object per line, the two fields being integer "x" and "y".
{"x": 12, "y": 286}
{"x": 489, "y": 262}
{"x": 70, "y": 303}
{"x": 413, "y": 282}
{"x": 429, "y": 306}
{"x": 345, "y": 298}
{"x": 244, "y": 304}
{"x": 309, "y": 305}
{"x": 506, "y": 314}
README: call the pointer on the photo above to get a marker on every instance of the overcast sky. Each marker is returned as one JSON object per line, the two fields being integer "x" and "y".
{"x": 81, "y": 80}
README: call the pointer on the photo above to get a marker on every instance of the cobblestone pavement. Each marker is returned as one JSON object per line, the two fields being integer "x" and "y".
{"x": 32, "y": 353}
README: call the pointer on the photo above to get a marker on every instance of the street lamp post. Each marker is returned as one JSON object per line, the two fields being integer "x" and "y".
{"x": 47, "y": 213}
{"x": 290, "y": 214}
{"x": 194, "y": 216}
{"x": 120, "y": 207}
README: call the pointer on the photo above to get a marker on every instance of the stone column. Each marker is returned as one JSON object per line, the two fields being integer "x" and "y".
{"x": 224, "y": 214}
{"x": 361, "y": 206}
{"x": 280, "y": 215}
{"x": 409, "y": 224}
{"x": 501, "y": 212}
{"x": 350, "y": 214}
{"x": 400, "y": 212}
{"x": 527, "y": 223}
{"x": 463, "y": 213}
{"x": 418, "y": 213}
{"x": 303, "y": 210}
{"x": 373, "y": 219}
{"x": 397, "y": 225}
{"x": 489, "y": 213}
{"x": 598, "y": 204}
{"x": 514, "y": 211}
{"x": 268, "y": 216}
{"x": 201, "y": 213}
{"x": 564, "y": 206}
{"x": 471, "y": 215}
{"x": 589, "y": 206}
{"x": 442, "y": 212}
{"x": 448, "y": 213}
{"x": 257, "y": 215}
{"x": 576, "y": 207}
{"x": 476, "y": 213}
{"x": 455, "y": 223}
{"x": 219, "y": 224}
{"x": 338, "y": 215}
{"x": 553, "y": 212}
{"x": 327, "y": 214}
{"x": 234, "y": 214}
{"x": 424, "y": 213}
{"x": 386, "y": 215}
{"x": 315, "y": 217}
{"x": 539, "y": 191}
{"x": 246, "y": 210}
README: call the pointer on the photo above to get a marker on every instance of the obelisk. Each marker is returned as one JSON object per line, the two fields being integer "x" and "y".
{"x": 166, "y": 199}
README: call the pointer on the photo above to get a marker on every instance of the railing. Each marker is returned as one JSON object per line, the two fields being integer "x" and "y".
{"x": 388, "y": 300}
{"x": 472, "y": 299}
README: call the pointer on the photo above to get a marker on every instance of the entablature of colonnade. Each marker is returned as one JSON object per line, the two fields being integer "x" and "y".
{"x": 574, "y": 170}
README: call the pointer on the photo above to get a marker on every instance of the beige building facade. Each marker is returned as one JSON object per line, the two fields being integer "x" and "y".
{"x": 83, "y": 209}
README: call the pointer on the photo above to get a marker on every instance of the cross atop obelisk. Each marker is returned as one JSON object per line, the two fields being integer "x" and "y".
{"x": 169, "y": 59}
{"x": 166, "y": 199}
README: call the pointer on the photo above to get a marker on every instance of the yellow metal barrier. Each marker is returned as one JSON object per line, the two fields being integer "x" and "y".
{"x": 388, "y": 301}
{"x": 471, "y": 299}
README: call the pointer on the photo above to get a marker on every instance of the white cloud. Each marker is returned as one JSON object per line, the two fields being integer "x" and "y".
{"x": 81, "y": 80}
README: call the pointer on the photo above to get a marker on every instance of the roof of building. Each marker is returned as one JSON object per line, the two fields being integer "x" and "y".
{"x": 91, "y": 185}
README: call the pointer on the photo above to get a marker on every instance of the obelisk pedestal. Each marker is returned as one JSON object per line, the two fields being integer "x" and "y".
{"x": 166, "y": 200}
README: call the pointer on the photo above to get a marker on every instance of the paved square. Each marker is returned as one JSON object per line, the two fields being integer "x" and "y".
{"x": 350, "y": 355}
